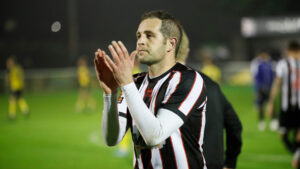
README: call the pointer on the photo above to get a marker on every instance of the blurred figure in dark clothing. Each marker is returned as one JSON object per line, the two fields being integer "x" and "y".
{"x": 219, "y": 115}
{"x": 263, "y": 75}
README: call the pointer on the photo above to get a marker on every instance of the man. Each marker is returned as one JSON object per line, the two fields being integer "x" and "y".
{"x": 84, "y": 97}
{"x": 164, "y": 108}
{"x": 209, "y": 68}
{"x": 263, "y": 75}
{"x": 219, "y": 115}
{"x": 15, "y": 79}
{"x": 287, "y": 78}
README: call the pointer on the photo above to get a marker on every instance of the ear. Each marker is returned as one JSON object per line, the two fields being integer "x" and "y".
{"x": 171, "y": 44}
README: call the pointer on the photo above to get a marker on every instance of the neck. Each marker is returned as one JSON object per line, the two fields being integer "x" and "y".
{"x": 161, "y": 67}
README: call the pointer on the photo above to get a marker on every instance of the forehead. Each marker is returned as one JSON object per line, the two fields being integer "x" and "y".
{"x": 151, "y": 24}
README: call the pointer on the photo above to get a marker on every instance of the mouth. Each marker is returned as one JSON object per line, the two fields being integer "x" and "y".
{"x": 142, "y": 50}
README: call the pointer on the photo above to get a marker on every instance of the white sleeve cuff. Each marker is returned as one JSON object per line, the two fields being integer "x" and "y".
{"x": 129, "y": 88}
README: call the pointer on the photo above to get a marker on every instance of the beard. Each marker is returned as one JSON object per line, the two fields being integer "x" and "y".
{"x": 149, "y": 57}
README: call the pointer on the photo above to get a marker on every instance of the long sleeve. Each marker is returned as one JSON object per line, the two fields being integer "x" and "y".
{"x": 233, "y": 129}
{"x": 154, "y": 129}
{"x": 113, "y": 128}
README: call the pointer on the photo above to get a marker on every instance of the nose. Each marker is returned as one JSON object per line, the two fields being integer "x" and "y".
{"x": 141, "y": 40}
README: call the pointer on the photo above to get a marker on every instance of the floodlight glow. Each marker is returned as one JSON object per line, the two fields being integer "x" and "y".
{"x": 56, "y": 26}
{"x": 248, "y": 27}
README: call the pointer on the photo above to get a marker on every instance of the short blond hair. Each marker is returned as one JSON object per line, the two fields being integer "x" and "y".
{"x": 183, "y": 48}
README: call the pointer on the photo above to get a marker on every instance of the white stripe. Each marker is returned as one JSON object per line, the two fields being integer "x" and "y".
{"x": 193, "y": 96}
{"x": 134, "y": 159}
{"x": 203, "y": 103}
{"x": 284, "y": 93}
{"x": 140, "y": 163}
{"x": 172, "y": 86}
{"x": 203, "y": 121}
{"x": 293, "y": 80}
{"x": 156, "y": 159}
{"x": 155, "y": 92}
{"x": 179, "y": 152}
{"x": 201, "y": 137}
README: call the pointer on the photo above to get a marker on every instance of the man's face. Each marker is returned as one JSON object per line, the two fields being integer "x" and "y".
{"x": 151, "y": 44}
{"x": 9, "y": 63}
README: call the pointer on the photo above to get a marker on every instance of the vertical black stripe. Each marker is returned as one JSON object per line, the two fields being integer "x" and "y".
{"x": 161, "y": 93}
{"x": 146, "y": 158}
{"x": 192, "y": 150}
{"x": 168, "y": 156}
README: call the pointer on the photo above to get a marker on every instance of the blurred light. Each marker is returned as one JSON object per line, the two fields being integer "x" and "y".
{"x": 248, "y": 27}
{"x": 284, "y": 25}
{"x": 56, "y": 26}
{"x": 10, "y": 25}
{"x": 268, "y": 26}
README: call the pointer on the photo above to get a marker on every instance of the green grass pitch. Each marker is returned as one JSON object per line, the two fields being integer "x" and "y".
{"x": 55, "y": 137}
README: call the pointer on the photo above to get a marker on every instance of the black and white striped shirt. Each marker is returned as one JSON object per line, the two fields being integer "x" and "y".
{"x": 288, "y": 70}
{"x": 182, "y": 91}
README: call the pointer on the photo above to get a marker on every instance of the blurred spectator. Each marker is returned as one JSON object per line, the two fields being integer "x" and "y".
{"x": 84, "y": 98}
{"x": 219, "y": 115}
{"x": 15, "y": 79}
{"x": 263, "y": 75}
{"x": 209, "y": 68}
{"x": 287, "y": 77}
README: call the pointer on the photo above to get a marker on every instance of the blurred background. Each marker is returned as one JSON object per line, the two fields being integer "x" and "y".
{"x": 48, "y": 37}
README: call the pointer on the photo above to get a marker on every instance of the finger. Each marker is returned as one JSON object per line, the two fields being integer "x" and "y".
{"x": 114, "y": 54}
{"x": 105, "y": 62}
{"x": 96, "y": 64}
{"x": 110, "y": 63}
{"x": 132, "y": 55}
{"x": 97, "y": 67}
{"x": 118, "y": 50}
{"x": 97, "y": 58}
{"x": 98, "y": 53}
{"x": 123, "y": 48}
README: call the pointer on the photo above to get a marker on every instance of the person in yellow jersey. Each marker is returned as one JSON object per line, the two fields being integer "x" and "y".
{"x": 124, "y": 146}
{"x": 84, "y": 100}
{"x": 15, "y": 79}
{"x": 210, "y": 69}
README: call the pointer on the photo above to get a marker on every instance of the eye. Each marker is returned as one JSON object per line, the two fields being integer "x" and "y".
{"x": 149, "y": 35}
{"x": 138, "y": 36}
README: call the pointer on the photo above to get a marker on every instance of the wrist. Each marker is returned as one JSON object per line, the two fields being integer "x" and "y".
{"x": 126, "y": 83}
{"x": 128, "y": 88}
{"x": 109, "y": 91}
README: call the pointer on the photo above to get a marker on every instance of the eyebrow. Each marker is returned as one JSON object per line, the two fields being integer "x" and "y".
{"x": 146, "y": 31}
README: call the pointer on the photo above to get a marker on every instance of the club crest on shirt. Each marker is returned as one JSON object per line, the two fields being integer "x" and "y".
{"x": 120, "y": 98}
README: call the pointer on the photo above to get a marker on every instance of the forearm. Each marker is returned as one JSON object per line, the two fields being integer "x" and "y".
{"x": 275, "y": 89}
{"x": 110, "y": 120}
{"x": 153, "y": 129}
